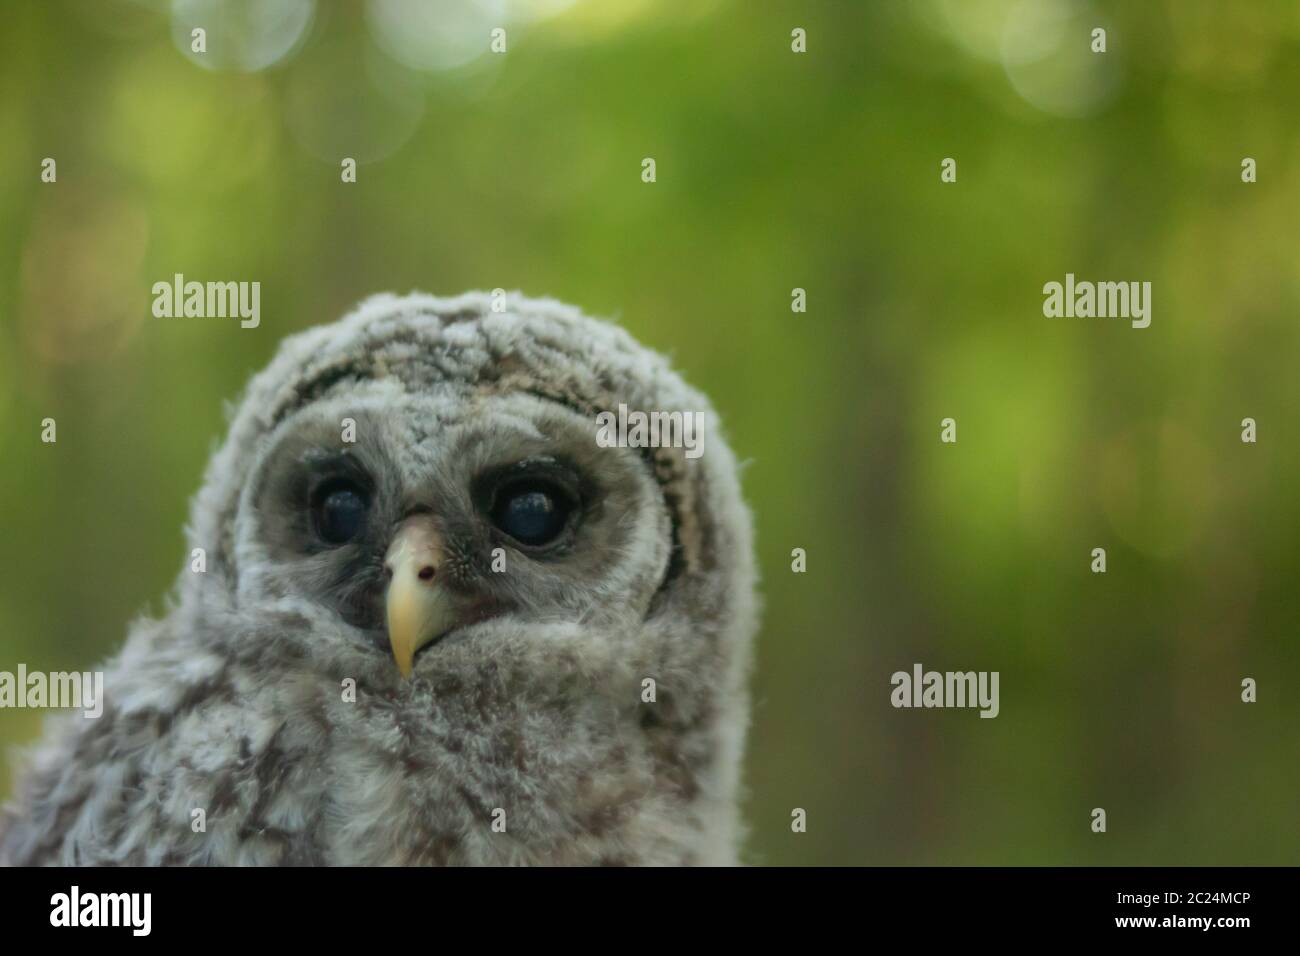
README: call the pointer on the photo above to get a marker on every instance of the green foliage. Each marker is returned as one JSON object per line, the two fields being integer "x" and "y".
{"x": 774, "y": 170}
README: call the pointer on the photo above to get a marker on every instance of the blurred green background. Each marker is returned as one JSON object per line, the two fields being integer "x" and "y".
{"x": 775, "y": 170}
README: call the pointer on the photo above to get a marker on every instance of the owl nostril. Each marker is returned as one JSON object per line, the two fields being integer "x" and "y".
{"x": 426, "y": 573}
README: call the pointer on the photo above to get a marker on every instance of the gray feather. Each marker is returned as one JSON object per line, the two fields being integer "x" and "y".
{"x": 232, "y": 703}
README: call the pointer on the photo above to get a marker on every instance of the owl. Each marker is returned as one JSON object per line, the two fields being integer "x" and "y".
{"x": 429, "y": 619}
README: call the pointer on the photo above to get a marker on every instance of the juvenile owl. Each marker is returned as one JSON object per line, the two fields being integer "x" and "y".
{"x": 439, "y": 622}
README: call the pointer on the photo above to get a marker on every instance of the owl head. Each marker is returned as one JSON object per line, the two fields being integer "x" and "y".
{"x": 546, "y": 636}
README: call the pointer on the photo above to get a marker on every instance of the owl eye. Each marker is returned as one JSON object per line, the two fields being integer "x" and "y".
{"x": 340, "y": 513}
{"x": 533, "y": 513}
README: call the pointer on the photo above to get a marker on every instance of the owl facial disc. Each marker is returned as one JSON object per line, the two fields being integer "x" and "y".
{"x": 418, "y": 608}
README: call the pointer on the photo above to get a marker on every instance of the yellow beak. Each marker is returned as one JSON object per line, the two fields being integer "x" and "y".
{"x": 418, "y": 608}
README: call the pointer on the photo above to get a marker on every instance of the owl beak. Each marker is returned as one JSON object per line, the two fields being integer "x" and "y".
{"x": 417, "y": 606}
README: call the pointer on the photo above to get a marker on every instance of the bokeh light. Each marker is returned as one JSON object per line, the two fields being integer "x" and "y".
{"x": 246, "y": 35}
